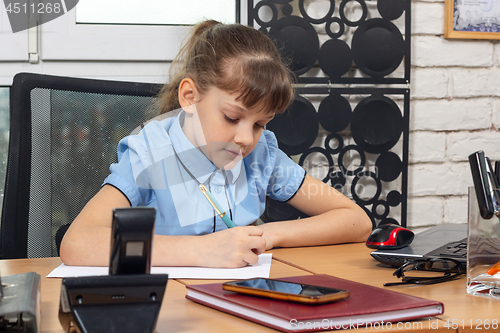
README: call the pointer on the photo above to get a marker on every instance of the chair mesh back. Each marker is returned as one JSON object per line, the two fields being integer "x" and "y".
{"x": 63, "y": 138}
{"x": 74, "y": 140}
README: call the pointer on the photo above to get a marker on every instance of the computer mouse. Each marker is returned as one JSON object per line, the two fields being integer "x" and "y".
{"x": 389, "y": 237}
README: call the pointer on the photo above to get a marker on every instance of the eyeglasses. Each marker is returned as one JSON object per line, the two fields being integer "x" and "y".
{"x": 450, "y": 267}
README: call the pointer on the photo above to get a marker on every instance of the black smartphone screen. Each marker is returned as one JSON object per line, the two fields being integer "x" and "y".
{"x": 286, "y": 287}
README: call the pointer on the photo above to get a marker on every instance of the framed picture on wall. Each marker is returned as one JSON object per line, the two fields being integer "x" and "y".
{"x": 472, "y": 19}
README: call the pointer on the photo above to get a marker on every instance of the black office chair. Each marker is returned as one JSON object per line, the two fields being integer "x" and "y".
{"x": 63, "y": 137}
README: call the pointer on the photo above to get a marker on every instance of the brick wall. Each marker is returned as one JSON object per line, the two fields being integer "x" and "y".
{"x": 454, "y": 112}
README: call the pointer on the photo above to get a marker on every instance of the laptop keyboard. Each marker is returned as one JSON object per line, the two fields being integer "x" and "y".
{"x": 453, "y": 250}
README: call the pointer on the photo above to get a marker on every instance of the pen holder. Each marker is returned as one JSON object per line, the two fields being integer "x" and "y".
{"x": 483, "y": 252}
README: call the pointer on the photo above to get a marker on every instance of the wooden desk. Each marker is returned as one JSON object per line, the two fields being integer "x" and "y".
{"x": 176, "y": 315}
{"x": 353, "y": 262}
{"x": 50, "y": 288}
{"x": 349, "y": 261}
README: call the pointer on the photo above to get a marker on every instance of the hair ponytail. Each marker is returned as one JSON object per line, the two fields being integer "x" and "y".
{"x": 168, "y": 99}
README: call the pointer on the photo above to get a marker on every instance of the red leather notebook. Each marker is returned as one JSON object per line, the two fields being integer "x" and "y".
{"x": 367, "y": 306}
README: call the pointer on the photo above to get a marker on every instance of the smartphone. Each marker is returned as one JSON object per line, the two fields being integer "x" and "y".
{"x": 286, "y": 291}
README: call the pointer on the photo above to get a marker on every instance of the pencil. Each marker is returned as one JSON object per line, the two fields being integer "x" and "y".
{"x": 222, "y": 214}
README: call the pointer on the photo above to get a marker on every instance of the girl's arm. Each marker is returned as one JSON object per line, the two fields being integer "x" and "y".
{"x": 87, "y": 241}
{"x": 334, "y": 219}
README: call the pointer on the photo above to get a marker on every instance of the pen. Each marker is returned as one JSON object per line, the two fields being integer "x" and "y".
{"x": 494, "y": 269}
{"x": 217, "y": 207}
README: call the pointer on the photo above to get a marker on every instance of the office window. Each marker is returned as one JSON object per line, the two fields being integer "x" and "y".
{"x": 165, "y": 12}
{"x": 13, "y": 47}
{"x": 130, "y": 37}
{"x": 4, "y": 137}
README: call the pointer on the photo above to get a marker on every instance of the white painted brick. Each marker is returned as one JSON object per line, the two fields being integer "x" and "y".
{"x": 427, "y": 18}
{"x": 433, "y": 51}
{"x": 475, "y": 82}
{"x": 427, "y": 147}
{"x": 455, "y": 210}
{"x": 453, "y": 109}
{"x": 453, "y": 115}
{"x": 461, "y": 144}
{"x": 424, "y": 212}
{"x": 495, "y": 119}
{"x": 429, "y": 83}
{"x": 497, "y": 54}
{"x": 438, "y": 179}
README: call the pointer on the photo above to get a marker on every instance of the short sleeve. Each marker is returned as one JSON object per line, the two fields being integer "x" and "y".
{"x": 140, "y": 169}
{"x": 122, "y": 174}
{"x": 286, "y": 176}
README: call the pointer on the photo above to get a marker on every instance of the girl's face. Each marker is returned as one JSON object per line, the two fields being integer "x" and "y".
{"x": 223, "y": 129}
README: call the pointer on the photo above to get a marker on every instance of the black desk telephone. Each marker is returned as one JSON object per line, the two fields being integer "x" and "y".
{"x": 129, "y": 298}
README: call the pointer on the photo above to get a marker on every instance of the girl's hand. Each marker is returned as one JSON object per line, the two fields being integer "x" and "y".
{"x": 269, "y": 239}
{"x": 231, "y": 248}
{"x": 271, "y": 233}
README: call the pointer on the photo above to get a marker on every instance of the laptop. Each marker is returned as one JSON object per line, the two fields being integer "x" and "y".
{"x": 444, "y": 240}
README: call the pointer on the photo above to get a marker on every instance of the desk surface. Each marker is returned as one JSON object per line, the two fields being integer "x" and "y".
{"x": 353, "y": 262}
{"x": 176, "y": 315}
{"x": 349, "y": 261}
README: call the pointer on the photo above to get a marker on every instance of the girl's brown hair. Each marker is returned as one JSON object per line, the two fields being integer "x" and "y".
{"x": 234, "y": 58}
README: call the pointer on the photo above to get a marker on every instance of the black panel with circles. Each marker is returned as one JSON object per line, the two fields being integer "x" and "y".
{"x": 363, "y": 155}
{"x": 371, "y": 47}
{"x": 354, "y": 138}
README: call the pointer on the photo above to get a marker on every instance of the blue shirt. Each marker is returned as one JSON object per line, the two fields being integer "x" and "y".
{"x": 149, "y": 172}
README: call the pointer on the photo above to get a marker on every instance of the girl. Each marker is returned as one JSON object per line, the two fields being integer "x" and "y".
{"x": 229, "y": 83}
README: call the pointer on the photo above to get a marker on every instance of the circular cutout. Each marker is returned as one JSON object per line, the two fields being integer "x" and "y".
{"x": 361, "y": 163}
{"x": 316, "y": 21}
{"x": 344, "y": 17}
{"x": 324, "y": 153}
{"x": 335, "y": 58}
{"x": 260, "y": 5}
{"x": 334, "y": 113}
{"x": 389, "y": 166}
{"x": 339, "y": 146}
{"x": 365, "y": 177}
{"x": 391, "y": 9}
{"x": 376, "y": 124}
{"x": 377, "y": 47}
{"x": 340, "y": 25}
{"x": 298, "y": 41}
{"x": 297, "y": 127}
{"x": 394, "y": 198}
{"x": 376, "y": 209}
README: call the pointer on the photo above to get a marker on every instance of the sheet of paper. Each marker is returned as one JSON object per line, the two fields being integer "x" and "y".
{"x": 261, "y": 269}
